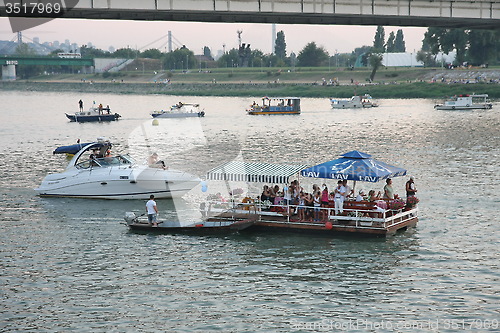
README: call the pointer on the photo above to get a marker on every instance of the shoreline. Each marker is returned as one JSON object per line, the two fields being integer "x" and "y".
{"x": 376, "y": 90}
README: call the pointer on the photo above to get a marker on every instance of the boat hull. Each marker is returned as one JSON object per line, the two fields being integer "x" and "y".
{"x": 335, "y": 225}
{"x": 272, "y": 112}
{"x": 118, "y": 183}
{"x": 471, "y": 107}
{"x": 353, "y": 106}
{"x": 177, "y": 115}
{"x": 93, "y": 118}
{"x": 196, "y": 229}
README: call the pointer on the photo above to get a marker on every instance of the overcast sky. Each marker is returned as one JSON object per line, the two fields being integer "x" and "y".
{"x": 141, "y": 35}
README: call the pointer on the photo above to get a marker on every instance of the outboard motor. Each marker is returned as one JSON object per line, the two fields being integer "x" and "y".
{"x": 130, "y": 218}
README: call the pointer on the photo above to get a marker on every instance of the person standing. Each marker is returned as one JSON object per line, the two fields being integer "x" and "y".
{"x": 152, "y": 211}
{"x": 317, "y": 205}
{"x": 80, "y": 103}
{"x": 388, "y": 190}
{"x": 340, "y": 191}
{"x": 411, "y": 189}
{"x": 348, "y": 190}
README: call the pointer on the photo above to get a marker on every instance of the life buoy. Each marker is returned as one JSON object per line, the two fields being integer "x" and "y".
{"x": 453, "y": 108}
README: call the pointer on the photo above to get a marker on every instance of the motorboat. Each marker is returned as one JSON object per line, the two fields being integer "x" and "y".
{"x": 94, "y": 114}
{"x": 276, "y": 105}
{"x": 365, "y": 101}
{"x": 466, "y": 102}
{"x": 94, "y": 172}
{"x": 180, "y": 110}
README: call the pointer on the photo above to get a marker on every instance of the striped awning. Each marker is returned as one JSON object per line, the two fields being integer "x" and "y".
{"x": 254, "y": 172}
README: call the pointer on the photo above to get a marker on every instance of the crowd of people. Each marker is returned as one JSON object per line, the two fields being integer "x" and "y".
{"x": 308, "y": 205}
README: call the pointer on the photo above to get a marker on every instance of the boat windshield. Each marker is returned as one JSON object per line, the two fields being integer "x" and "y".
{"x": 105, "y": 162}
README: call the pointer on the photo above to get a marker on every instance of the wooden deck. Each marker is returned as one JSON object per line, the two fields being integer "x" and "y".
{"x": 357, "y": 220}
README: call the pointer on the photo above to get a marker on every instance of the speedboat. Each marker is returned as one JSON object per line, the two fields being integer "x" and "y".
{"x": 94, "y": 173}
{"x": 364, "y": 101}
{"x": 276, "y": 105}
{"x": 94, "y": 114}
{"x": 180, "y": 110}
{"x": 466, "y": 102}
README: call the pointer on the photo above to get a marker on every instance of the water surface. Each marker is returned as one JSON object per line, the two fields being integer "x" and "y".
{"x": 69, "y": 265}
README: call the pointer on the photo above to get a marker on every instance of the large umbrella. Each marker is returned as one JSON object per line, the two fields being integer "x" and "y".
{"x": 355, "y": 166}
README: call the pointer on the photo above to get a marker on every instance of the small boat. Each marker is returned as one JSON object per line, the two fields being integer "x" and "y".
{"x": 94, "y": 173}
{"x": 180, "y": 110}
{"x": 466, "y": 102}
{"x": 276, "y": 105}
{"x": 136, "y": 224}
{"x": 365, "y": 101}
{"x": 94, "y": 114}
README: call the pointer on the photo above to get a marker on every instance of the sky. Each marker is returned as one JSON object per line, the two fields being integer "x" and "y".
{"x": 143, "y": 34}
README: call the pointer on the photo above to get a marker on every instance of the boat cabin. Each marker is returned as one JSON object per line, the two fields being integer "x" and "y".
{"x": 276, "y": 105}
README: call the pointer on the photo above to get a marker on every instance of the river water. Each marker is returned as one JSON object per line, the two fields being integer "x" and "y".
{"x": 69, "y": 265}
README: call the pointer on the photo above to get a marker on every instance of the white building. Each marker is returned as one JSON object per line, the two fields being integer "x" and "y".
{"x": 401, "y": 60}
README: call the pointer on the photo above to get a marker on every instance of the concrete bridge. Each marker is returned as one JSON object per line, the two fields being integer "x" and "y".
{"x": 9, "y": 63}
{"x": 477, "y": 14}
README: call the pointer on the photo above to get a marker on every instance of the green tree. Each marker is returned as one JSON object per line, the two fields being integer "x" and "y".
{"x": 182, "y": 59}
{"x": 483, "y": 46}
{"x": 151, "y": 54}
{"x": 207, "y": 52}
{"x": 229, "y": 59}
{"x": 375, "y": 61}
{"x": 125, "y": 53}
{"x": 427, "y": 58}
{"x": 379, "y": 40}
{"x": 54, "y": 53}
{"x": 447, "y": 40}
{"x": 280, "y": 45}
{"x": 312, "y": 55}
{"x": 27, "y": 71}
{"x": 399, "y": 43}
{"x": 256, "y": 58}
{"x": 91, "y": 52}
{"x": 390, "y": 47}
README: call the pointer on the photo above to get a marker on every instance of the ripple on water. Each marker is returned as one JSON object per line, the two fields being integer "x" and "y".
{"x": 69, "y": 265}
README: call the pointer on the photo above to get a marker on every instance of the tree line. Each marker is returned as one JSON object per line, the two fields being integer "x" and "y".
{"x": 472, "y": 46}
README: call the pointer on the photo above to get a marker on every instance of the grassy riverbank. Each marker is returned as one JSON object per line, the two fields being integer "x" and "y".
{"x": 255, "y": 82}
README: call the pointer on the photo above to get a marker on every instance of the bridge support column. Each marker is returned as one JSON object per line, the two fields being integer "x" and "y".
{"x": 8, "y": 72}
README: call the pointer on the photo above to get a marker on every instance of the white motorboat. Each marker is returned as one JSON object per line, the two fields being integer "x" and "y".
{"x": 365, "y": 101}
{"x": 466, "y": 102}
{"x": 93, "y": 174}
{"x": 180, "y": 110}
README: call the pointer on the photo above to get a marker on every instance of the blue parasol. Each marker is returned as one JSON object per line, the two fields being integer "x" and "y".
{"x": 356, "y": 166}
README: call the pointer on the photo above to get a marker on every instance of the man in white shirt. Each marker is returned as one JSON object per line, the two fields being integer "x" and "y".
{"x": 340, "y": 192}
{"x": 152, "y": 210}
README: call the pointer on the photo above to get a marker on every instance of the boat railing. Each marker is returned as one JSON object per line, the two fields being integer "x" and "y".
{"x": 357, "y": 217}
{"x": 103, "y": 162}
